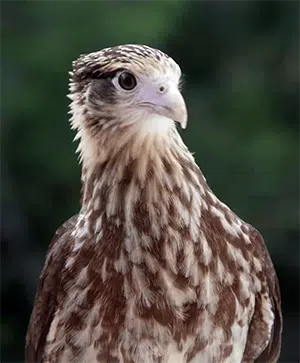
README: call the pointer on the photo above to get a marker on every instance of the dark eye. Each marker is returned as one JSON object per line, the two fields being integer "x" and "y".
{"x": 127, "y": 81}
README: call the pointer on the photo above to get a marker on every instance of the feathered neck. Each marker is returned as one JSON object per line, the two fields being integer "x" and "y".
{"x": 142, "y": 181}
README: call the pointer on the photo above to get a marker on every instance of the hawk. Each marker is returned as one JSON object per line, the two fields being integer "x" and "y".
{"x": 154, "y": 268}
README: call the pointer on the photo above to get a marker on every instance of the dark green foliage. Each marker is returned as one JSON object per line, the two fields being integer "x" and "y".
{"x": 241, "y": 66}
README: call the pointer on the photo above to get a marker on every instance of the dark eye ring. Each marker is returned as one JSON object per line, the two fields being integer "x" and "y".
{"x": 127, "y": 81}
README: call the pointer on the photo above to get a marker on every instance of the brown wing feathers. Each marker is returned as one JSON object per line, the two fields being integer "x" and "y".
{"x": 46, "y": 297}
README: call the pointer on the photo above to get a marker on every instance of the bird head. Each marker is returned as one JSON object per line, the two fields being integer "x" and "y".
{"x": 127, "y": 86}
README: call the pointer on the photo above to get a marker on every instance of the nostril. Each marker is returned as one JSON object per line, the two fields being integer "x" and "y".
{"x": 161, "y": 88}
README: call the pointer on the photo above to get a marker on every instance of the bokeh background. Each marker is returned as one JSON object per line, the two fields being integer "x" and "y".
{"x": 241, "y": 66}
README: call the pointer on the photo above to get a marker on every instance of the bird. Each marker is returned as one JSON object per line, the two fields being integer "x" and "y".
{"x": 154, "y": 268}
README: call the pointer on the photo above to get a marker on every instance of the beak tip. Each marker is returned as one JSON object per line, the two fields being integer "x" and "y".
{"x": 183, "y": 122}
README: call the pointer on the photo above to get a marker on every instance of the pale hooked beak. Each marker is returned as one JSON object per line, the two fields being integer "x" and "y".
{"x": 171, "y": 104}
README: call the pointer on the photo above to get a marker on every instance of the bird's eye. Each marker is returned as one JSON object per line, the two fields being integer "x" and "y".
{"x": 127, "y": 81}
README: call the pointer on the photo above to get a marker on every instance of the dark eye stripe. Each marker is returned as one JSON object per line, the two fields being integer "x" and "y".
{"x": 104, "y": 75}
{"x": 96, "y": 73}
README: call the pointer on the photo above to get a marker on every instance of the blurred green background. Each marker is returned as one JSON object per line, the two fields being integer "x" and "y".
{"x": 241, "y": 66}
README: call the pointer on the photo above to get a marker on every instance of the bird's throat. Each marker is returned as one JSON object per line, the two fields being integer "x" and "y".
{"x": 147, "y": 192}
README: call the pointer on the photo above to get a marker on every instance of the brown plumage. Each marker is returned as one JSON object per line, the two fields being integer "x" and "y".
{"x": 154, "y": 269}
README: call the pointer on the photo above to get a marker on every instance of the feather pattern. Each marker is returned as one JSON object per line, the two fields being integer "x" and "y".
{"x": 155, "y": 268}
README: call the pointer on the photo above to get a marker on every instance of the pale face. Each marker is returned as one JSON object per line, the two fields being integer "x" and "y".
{"x": 132, "y": 84}
{"x": 155, "y": 93}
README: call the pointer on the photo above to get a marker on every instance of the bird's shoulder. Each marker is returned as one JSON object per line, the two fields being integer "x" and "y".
{"x": 265, "y": 330}
{"x": 48, "y": 288}
{"x": 231, "y": 238}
